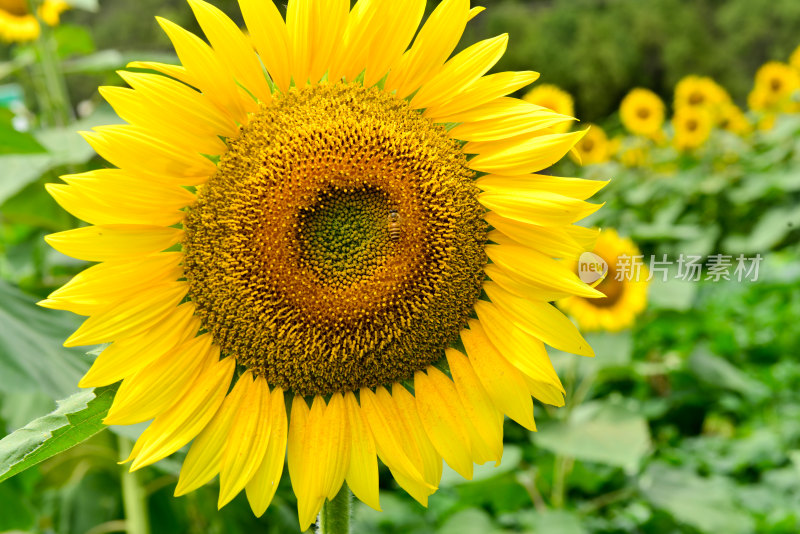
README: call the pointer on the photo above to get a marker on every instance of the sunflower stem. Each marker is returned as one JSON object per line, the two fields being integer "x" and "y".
{"x": 134, "y": 498}
{"x": 58, "y": 111}
{"x": 334, "y": 518}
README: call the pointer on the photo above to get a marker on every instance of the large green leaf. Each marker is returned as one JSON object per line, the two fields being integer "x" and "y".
{"x": 602, "y": 432}
{"x": 707, "y": 504}
{"x": 31, "y": 355}
{"x": 719, "y": 373}
{"x": 76, "y": 419}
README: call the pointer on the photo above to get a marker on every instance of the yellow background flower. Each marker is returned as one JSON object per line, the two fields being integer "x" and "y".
{"x": 642, "y": 113}
{"x": 17, "y": 24}
{"x": 692, "y": 127}
{"x": 554, "y": 98}
{"x": 594, "y": 146}
{"x": 625, "y": 287}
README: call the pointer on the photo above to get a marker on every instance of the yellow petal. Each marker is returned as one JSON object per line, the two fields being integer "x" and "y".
{"x": 206, "y": 70}
{"x": 268, "y": 33}
{"x": 113, "y": 241}
{"x": 444, "y": 419}
{"x": 178, "y": 72}
{"x": 134, "y": 148}
{"x": 262, "y": 487}
{"x": 205, "y": 455}
{"x": 96, "y": 209}
{"x": 182, "y": 422}
{"x": 303, "y": 467}
{"x": 521, "y": 154}
{"x": 460, "y": 72}
{"x": 522, "y": 350}
{"x": 399, "y": 23}
{"x": 540, "y": 208}
{"x": 163, "y": 122}
{"x": 135, "y": 189}
{"x": 232, "y": 48}
{"x": 247, "y": 442}
{"x": 522, "y": 287}
{"x": 385, "y": 424}
{"x": 526, "y": 264}
{"x": 104, "y": 285}
{"x": 474, "y": 102}
{"x": 154, "y": 389}
{"x": 502, "y": 381}
{"x": 539, "y": 319}
{"x": 552, "y": 241}
{"x": 416, "y": 435}
{"x": 125, "y": 357}
{"x": 433, "y": 45}
{"x": 362, "y": 473}
{"x": 534, "y": 183}
{"x": 175, "y": 101}
{"x": 481, "y": 412}
{"x": 131, "y": 317}
{"x": 527, "y": 119}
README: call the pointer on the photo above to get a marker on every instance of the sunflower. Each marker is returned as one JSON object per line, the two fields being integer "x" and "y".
{"x": 553, "y": 98}
{"x": 775, "y": 87}
{"x": 594, "y": 147}
{"x": 624, "y": 286}
{"x": 692, "y": 127}
{"x": 18, "y": 24}
{"x": 303, "y": 216}
{"x": 700, "y": 91}
{"x": 794, "y": 59}
{"x": 732, "y": 119}
{"x": 642, "y": 113}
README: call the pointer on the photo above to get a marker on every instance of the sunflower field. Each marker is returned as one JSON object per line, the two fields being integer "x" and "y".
{"x": 369, "y": 302}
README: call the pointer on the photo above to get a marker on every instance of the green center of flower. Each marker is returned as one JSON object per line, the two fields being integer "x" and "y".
{"x": 345, "y": 237}
{"x": 340, "y": 243}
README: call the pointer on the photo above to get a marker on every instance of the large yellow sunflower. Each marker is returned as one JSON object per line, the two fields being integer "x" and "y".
{"x": 642, "y": 113}
{"x": 18, "y": 24}
{"x": 692, "y": 127}
{"x": 624, "y": 287}
{"x": 316, "y": 231}
{"x": 553, "y": 98}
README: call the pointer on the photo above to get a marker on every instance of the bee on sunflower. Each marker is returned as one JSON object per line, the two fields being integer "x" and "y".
{"x": 292, "y": 218}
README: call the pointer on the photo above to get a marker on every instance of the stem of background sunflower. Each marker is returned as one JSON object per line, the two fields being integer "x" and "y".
{"x": 334, "y": 518}
{"x": 134, "y": 497}
{"x": 58, "y": 112}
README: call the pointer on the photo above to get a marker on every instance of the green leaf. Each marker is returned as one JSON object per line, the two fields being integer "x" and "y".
{"x": 73, "y": 40}
{"x": 717, "y": 372}
{"x": 31, "y": 355}
{"x": 708, "y": 504}
{"x": 469, "y": 521}
{"x": 76, "y": 419}
{"x": 602, "y": 432}
{"x": 86, "y": 5}
{"x": 554, "y": 521}
{"x": 64, "y": 147}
